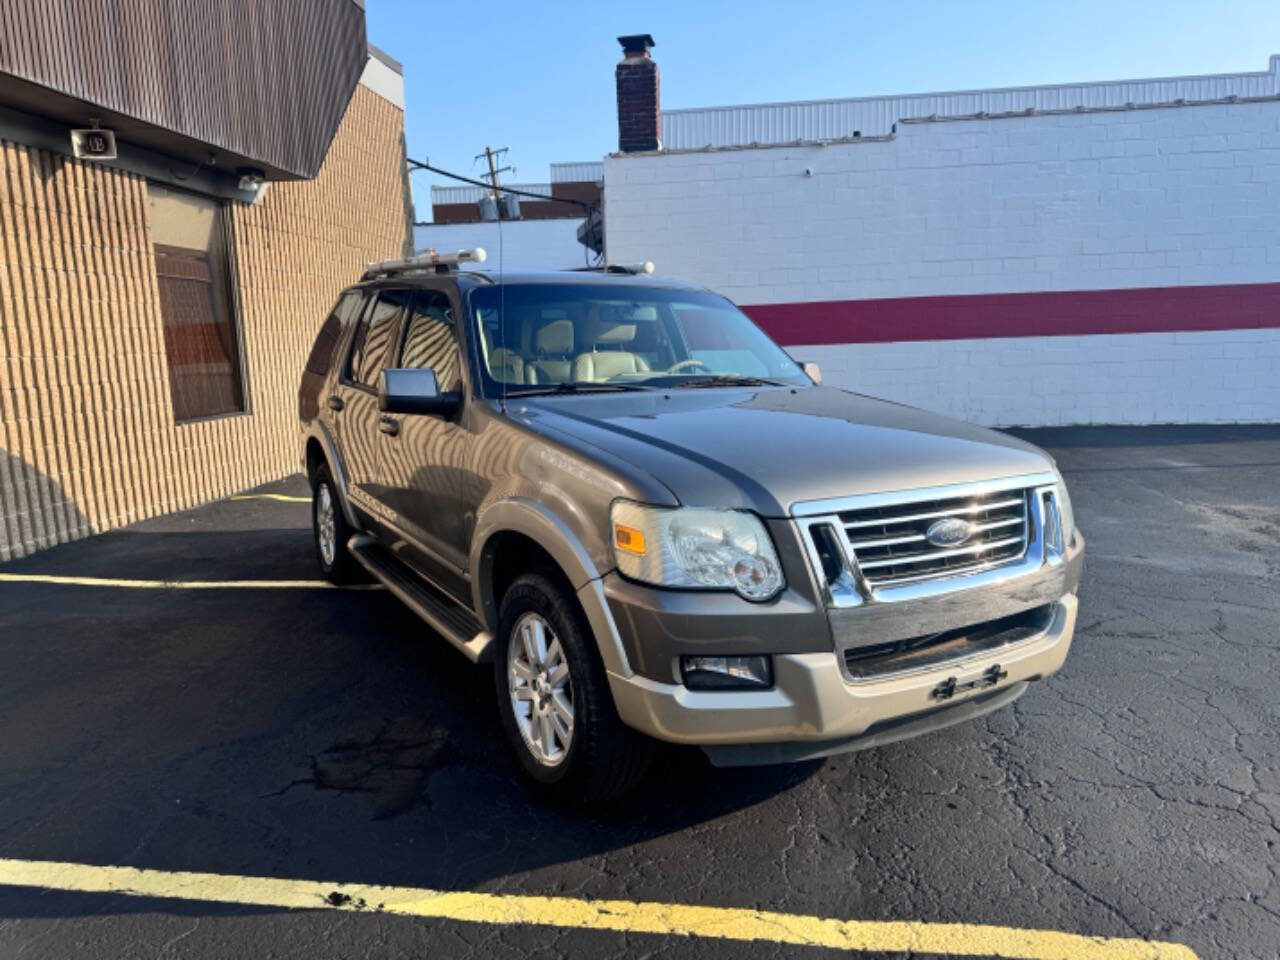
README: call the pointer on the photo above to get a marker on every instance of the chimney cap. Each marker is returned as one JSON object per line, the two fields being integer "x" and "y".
{"x": 639, "y": 42}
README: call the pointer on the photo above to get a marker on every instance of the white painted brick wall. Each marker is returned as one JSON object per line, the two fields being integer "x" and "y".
{"x": 1141, "y": 198}
{"x": 1136, "y": 198}
{"x": 1220, "y": 377}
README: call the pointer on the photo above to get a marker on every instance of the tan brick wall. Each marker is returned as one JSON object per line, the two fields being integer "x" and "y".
{"x": 87, "y": 437}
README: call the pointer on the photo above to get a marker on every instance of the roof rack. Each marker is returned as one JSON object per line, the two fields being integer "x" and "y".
{"x": 429, "y": 261}
{"x": 645, "y": 267}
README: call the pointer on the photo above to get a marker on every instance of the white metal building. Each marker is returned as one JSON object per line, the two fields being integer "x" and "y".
{"x": 1088, "y": 253}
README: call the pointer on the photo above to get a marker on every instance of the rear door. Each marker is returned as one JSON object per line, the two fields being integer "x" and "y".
{"x": 422, "y": 461}
{"x": 357, "y": 420}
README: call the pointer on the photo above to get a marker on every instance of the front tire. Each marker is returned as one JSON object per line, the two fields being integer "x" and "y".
{"x": 554, "y": 699}
{"x": 331, "y": 532}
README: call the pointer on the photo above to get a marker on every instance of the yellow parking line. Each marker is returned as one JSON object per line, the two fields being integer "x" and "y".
{"x": 283, "y": 497}
{"x": 625, "y": 916}
{"x": 179, "y": 584}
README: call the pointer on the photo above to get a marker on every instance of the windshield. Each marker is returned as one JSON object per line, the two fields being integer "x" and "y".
{"x": 570, "y": 337}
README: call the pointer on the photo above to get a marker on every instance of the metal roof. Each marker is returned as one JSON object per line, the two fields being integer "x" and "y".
{"x": 774, "y": 123}
{"x": 253, "y": 84}
{"x": 591, "y": 171}
{"x": 441, "y": 195}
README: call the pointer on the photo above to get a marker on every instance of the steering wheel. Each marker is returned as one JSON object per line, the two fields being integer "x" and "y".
{"x": 689, "y": 364}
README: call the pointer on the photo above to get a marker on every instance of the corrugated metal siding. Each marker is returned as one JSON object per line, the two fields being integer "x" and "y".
{"x": 836, "y": 119}
{"x": 87, "y": 435}
{"x": 265, "y": 80}
{"x": 443, "y": 195}
{"x": 583, "y": 172}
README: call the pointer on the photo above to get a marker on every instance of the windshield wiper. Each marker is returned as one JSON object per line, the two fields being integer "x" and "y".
{"x": 729, "y": 380}
{"x": 575, "y": 386}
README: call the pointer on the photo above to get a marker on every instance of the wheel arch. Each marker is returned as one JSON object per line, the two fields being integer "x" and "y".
{"x": 537, "y": 535}
{"x": 320, "y": 449}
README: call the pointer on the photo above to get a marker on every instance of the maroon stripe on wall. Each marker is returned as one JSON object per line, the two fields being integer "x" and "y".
{"x": 1051, "y": 314}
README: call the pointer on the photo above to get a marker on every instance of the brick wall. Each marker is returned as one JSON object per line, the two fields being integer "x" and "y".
{"x": 87, "y": 437}
{"x": 1105, "y": 201}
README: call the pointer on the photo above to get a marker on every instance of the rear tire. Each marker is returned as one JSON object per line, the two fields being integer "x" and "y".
{"x": 542, "y": 631}
{"x": 331, "y": 532}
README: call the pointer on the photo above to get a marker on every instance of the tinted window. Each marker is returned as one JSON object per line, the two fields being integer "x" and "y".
{"x": 322, "y": 350}
{"x": 373, "y": 337}
{"x": 430, "y": 341}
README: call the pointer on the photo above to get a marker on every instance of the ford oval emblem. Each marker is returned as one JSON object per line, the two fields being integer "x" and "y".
{"x": 949, "y": 532}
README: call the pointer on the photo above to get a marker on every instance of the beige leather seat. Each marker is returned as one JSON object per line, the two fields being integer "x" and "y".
{"x": 601, "y": 364}
{"x": 552, "y": 348}
{"x": 505, "y": 365}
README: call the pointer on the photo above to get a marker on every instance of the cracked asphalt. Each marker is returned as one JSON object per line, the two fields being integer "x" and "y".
{"x": 328, "y": 735}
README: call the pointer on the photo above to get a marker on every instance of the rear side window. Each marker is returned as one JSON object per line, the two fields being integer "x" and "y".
{"x": 321, "y": 356}
{"x": 430, "y": 341}
{"x": 373, "y": 337}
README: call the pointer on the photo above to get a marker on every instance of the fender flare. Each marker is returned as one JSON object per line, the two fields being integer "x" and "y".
{"x": 320, "y": 434}
{"x": 538, "y": 523}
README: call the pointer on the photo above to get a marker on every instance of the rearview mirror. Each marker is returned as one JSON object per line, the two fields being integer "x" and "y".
{"x": 414, "y": 390}
{"x": 812, "y": 372}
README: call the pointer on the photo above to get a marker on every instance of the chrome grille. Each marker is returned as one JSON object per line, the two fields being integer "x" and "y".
{"x": 891, "y": 547}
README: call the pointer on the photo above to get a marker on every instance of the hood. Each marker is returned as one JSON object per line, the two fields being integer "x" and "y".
{"x": 768, "y": 448}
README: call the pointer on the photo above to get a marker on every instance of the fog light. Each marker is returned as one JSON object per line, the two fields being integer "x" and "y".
{"x": 727, "y": 673}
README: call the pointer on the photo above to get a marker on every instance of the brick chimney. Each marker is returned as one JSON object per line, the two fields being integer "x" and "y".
{"x": 639, "y": 116}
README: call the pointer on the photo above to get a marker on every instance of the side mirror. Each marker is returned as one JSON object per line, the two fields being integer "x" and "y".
{"x": 812, "y": 372}
{"x": 414, "y": 391}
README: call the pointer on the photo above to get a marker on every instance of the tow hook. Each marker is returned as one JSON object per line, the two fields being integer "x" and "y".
{"x": 989, "y": 677}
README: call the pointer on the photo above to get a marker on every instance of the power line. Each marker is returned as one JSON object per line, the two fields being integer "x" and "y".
{"x": 591, "y": 209}
{"x": 419, "y": 165}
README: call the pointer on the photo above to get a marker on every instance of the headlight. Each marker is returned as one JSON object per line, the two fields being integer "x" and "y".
{"x": 696, "y": 548}
{"x": 1068, "y": 514}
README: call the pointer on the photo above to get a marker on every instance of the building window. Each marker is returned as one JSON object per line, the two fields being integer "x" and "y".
{"x": 189, "y": 235}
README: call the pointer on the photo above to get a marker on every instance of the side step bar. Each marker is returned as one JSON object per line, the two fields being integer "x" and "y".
{"x": 452, "y": 621}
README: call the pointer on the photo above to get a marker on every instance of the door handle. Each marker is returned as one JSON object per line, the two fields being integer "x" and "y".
{"x": 335, "y": 403}
{"x": 389, "y": 425}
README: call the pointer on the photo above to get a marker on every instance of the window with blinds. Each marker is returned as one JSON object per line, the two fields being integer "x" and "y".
{"x": 201, "y": 342}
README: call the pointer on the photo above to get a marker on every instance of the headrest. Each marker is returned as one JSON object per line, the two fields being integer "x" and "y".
{"x": 611, "y": 324}
{"x": 555, "y": 337}
{"x": 606, "y": 331}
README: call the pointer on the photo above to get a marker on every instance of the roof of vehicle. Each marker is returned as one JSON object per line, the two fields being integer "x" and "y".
{"x": 579, "y": 277}
{"x": 476, "y": 278}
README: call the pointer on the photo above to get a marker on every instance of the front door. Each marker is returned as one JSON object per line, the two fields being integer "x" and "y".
{"x": 420, "y": 462}
{"x": 358, "y": 419}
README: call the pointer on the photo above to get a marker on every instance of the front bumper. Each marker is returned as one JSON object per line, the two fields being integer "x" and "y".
{"x": 812, "y": 701}
{"x": 815, "y": 708}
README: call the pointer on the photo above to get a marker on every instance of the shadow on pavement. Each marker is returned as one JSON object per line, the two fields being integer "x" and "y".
{"x": 309, "y": 733}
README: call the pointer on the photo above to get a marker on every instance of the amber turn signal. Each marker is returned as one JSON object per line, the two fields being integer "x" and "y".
{"x": 629, "y": 539}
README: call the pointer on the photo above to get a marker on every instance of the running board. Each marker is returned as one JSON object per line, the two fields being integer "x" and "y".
{"x": 448, "y": 618}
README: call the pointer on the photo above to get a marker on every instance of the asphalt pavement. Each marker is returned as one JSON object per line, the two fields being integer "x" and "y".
{"x": 293, "y": 731}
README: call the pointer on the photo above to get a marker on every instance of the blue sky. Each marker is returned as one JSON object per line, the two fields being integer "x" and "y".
{"x": 538, "y": 76}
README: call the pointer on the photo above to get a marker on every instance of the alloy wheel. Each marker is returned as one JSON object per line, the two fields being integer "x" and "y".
{"x": 540, "y": 688}
{"x": 326, "y": 525}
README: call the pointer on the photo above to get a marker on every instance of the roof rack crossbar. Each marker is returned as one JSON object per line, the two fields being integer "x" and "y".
{"x": 423, "y": 261}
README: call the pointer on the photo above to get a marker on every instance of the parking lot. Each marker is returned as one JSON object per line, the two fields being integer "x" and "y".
{"x": 263, "y": 726}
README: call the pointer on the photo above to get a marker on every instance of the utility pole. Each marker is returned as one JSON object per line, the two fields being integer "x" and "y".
{"x": 491, "y": 156}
